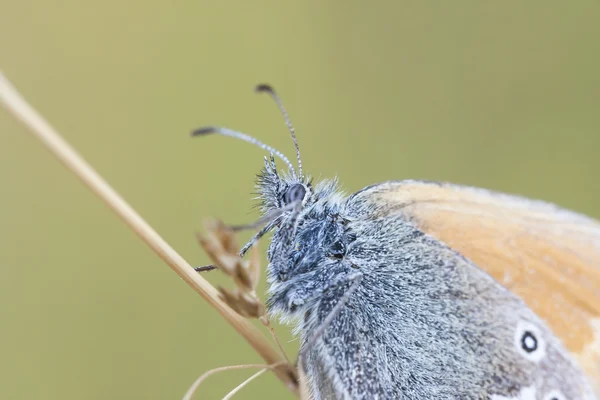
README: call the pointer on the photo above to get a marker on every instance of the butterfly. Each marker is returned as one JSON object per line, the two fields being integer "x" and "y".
{"x": 426, "y": 290}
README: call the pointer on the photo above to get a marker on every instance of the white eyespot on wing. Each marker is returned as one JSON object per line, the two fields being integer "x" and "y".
{"x": 527, "y": 393}
{"x": 529, "y": 341}
{"x": 555, "y": 395}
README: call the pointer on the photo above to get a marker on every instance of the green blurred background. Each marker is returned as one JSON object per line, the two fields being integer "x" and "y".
{"x": 502, "y": 95}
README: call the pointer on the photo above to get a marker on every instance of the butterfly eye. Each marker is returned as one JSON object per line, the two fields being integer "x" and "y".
{"x": 294, "y": 193}
{"x": 530, "y": 342}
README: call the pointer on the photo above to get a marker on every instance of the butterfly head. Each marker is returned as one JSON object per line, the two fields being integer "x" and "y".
{"x": 308, "y": 231}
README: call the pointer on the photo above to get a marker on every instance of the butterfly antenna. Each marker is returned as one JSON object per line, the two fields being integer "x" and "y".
{"x": 247, "y": 138}
{"x": 268, "y": 89}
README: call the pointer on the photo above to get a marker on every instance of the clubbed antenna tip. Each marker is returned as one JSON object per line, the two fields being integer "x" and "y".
{"x": 264, "y": 87}
{"x": 205, "y": 130}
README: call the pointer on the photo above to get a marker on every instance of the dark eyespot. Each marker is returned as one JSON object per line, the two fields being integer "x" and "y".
{"x": 529, "y": 342}
{"x": 296, "y": 192}
{"x": 554, "y": 395}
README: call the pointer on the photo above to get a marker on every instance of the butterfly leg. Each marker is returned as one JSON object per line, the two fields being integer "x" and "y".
{"x": 353, "y": 281}
{"x": 256, "y": 238}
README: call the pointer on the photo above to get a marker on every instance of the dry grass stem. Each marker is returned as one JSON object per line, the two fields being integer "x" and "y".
{"x": 220, "y": 244}
{"x": 265, "y": 321}
{"x": 42, "y": 131}
{"x": 194, "y": 388}
{"x": 241, "y": 385}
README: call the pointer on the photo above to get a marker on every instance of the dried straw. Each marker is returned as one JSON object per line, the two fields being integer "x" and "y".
{"x": 42, "y": 130}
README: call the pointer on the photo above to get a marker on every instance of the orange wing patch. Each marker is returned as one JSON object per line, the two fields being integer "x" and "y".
{"x": 548, "y": 256}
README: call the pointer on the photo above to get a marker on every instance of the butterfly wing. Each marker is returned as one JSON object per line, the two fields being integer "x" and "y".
{"x": 548, "y": 256}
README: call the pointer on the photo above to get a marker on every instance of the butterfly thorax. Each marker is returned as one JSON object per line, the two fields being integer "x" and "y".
{"x": 306, "y": 253}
